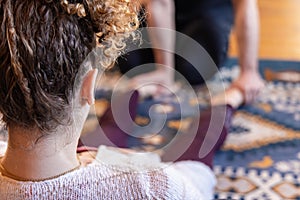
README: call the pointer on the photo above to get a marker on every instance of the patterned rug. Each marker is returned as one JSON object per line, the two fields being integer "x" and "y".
{"x": 261, "y": 156}
{"x": 260, "y": 159}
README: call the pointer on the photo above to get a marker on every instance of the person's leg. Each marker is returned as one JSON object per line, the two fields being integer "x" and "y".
{"x": 211, "y": 30}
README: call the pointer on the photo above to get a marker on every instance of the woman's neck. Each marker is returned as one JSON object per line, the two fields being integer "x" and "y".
{"x": 48, "y": 157}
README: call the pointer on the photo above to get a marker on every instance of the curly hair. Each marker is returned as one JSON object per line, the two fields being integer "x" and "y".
{"x": 42, "y": 45}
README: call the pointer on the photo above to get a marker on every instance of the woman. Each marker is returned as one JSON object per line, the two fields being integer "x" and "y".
{"x": 47, "y": 84}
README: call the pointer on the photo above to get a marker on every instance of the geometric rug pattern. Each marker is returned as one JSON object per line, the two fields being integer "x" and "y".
{"x": 260, "y": 159}
{"x": 261, "y": 156}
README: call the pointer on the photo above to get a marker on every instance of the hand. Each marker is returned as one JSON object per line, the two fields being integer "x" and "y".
{"x": 250, "y": 82}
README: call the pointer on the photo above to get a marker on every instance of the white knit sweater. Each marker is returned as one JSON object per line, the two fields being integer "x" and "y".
{"x": 116, "y": 177}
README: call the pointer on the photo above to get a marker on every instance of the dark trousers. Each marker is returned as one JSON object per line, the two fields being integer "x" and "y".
{"x": 208, "y": 23}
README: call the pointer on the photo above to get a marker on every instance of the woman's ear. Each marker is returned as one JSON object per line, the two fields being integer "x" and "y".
{"x": 88, "y": 86}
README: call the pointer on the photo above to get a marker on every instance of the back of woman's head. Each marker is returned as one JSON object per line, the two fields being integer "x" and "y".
{"x": 42, "y": 45}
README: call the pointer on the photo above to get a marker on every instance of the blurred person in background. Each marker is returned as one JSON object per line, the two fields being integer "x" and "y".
{"x": 208, "y": 22}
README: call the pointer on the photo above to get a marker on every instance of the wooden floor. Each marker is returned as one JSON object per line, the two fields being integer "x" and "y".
{"x": 279, "y": 30}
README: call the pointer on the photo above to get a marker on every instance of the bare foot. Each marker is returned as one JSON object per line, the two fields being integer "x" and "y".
{"x": 232, "y": 96}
